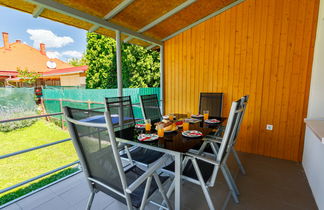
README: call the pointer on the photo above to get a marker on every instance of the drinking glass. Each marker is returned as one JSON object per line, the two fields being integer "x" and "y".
{"x": 171, "y": 116}
{"x": 206, "y": 115}
{"x": 147, "y": 124}
{"x": 185, "y": 125}
{"x": 188, "y": 115}
{"x": 160, "y": 129}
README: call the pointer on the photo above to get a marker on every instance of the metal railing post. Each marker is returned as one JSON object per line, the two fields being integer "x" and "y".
{"x": 89, "y": 104}
{"x": 61, "y": 110}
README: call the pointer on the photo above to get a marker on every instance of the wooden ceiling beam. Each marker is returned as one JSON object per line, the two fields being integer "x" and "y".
{"x": 163, "y": 17}
{"x": 113, "y": 12}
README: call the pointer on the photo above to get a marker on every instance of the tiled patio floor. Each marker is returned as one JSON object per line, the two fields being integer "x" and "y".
{"x": 269, "y": 184}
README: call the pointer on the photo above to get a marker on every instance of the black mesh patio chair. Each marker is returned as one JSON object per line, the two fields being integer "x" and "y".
{"x": 125, "y": 117}
{"x": 121, "y": 110}
{"x": 213, "y": 102}
{"x": 202, "y": 170}
{"x": 103, "y": 167}
{"x": 219, "y": 136}
{"x": 151, "y": 107}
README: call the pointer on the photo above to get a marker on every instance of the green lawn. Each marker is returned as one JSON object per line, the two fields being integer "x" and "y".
{"x": 21, "y": 167}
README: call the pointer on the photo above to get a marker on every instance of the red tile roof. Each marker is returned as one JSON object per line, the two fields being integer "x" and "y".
{"x": 72, "y": 70}
{"x": 8, "y": 73}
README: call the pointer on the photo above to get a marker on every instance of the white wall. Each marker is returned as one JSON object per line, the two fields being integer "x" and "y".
{"x": 313, "y": 156}
{"x": 316, "y": 97}
{"x": 313, "y": 163}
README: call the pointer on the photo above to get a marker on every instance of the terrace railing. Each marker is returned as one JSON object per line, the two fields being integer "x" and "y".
{"x": 21, "y": 152}
{"x": 2, "y": 191}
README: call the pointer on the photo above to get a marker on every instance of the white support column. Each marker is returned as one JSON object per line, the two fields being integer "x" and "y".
{"x": 119, "y": 77}
{"x": 162, "y": 78}
{"x": 119, "y": 65}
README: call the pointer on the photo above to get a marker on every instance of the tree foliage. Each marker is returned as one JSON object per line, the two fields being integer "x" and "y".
{"x": 78, "y": 61}
{"x": 140, "y": 67}
{"x": 28, "y": 77}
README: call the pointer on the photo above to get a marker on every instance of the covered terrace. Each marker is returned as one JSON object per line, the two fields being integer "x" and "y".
{"x": 267, "y": 49}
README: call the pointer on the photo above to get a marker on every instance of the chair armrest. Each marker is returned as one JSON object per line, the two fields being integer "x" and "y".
{"x": 214, "y": 139}
{"x": 208, "y": 160}
{"x": 147, "y": 173}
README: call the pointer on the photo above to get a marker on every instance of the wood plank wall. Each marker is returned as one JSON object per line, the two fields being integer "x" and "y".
{"x": 263, "y": 48}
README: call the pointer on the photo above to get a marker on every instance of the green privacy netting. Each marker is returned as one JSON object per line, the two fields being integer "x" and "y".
{"x": 14, "y": 103}
{"x": 94, "y": 95}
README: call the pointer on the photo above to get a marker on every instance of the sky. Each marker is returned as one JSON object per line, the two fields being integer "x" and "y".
{"x": 62, "y": 41}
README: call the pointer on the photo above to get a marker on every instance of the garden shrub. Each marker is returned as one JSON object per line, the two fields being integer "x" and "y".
{"x": 16, "y": 103}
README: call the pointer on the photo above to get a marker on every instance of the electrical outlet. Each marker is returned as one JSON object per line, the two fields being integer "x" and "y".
{"x": 269, "y": 127}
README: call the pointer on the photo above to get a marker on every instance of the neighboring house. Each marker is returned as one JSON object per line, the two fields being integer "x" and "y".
{"x": 53, "y": 71}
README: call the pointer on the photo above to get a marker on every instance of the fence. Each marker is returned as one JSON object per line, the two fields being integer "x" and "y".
{"x": 56, "y": 98}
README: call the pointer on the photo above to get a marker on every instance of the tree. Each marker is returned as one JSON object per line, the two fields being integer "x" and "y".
{"x": 28, "y": 77}
{"x": 140, "y": 67}
{"x": 78, "y": 61}
{"x": 101, "y": 58}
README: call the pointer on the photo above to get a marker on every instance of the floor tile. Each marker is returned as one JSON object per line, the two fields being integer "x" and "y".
{"x": 53, "y": 204}
{"x": 269, "y": 184}
{"x": 12, "y": 207}
{"x": 36, "y": 199}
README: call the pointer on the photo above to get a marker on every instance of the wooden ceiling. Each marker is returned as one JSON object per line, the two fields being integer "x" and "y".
{"x": 170, "y": 17}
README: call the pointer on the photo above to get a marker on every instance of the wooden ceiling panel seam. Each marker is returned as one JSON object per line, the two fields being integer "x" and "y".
{"x": 191, "y": 14}
{"x": 143, "y": 12}
{"x": 163, "y": 17}
{"x": 98, "y": 8}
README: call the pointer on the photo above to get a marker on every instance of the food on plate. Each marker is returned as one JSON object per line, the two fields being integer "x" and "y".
{"x": 179, "y": 123}
{"x": 167, "y": 124}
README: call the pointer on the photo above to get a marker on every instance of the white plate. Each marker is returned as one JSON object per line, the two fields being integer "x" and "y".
{"x": 193, "y": 120}
{"x": 212, "y": 121}
{"x": 150, "y": 137}
{"x": 140, "y": 126}
{"x": 197, "y": 115}
{"x": 192, "y": 134}
{"x": 165, "y": 117}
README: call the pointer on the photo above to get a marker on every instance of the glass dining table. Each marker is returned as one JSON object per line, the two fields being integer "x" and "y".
{"x": 173, "y": 143}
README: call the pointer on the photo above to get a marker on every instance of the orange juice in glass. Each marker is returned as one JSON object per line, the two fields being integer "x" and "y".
{"x": 206, "y": 115}
{"x": 185, "y": 125}
{"x": 160, "y": 129}
{"x": 188, "y": 115}
{"x": 171, "y": 117}
{"x": 147, "y": 124}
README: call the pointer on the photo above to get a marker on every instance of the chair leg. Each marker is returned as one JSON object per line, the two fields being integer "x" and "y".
{"x": 203, "y": 185}
{"x": 238, "y": 161}
{"x": 90, "y": 200}
{"x": 128, "y": 155}
{"x": 146, "y": 192}
{"x": 228, "y": 173}
{"x": 234, "y": 195}
{"x": 169, "y": 192}
{"x": 164, "y": 196}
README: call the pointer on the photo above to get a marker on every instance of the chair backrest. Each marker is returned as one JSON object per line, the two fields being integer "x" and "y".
{"x": 231, "y": 129}
{"x": 95, "y": 144}
{"x": 213, "y": 102}
{"x": 121, "y": 110}
{"x": 243, "y": 101}
{"x": 151, "y": 107}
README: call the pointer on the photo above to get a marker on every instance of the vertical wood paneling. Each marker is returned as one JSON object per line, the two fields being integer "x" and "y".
{"x": 263, "y": 48}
